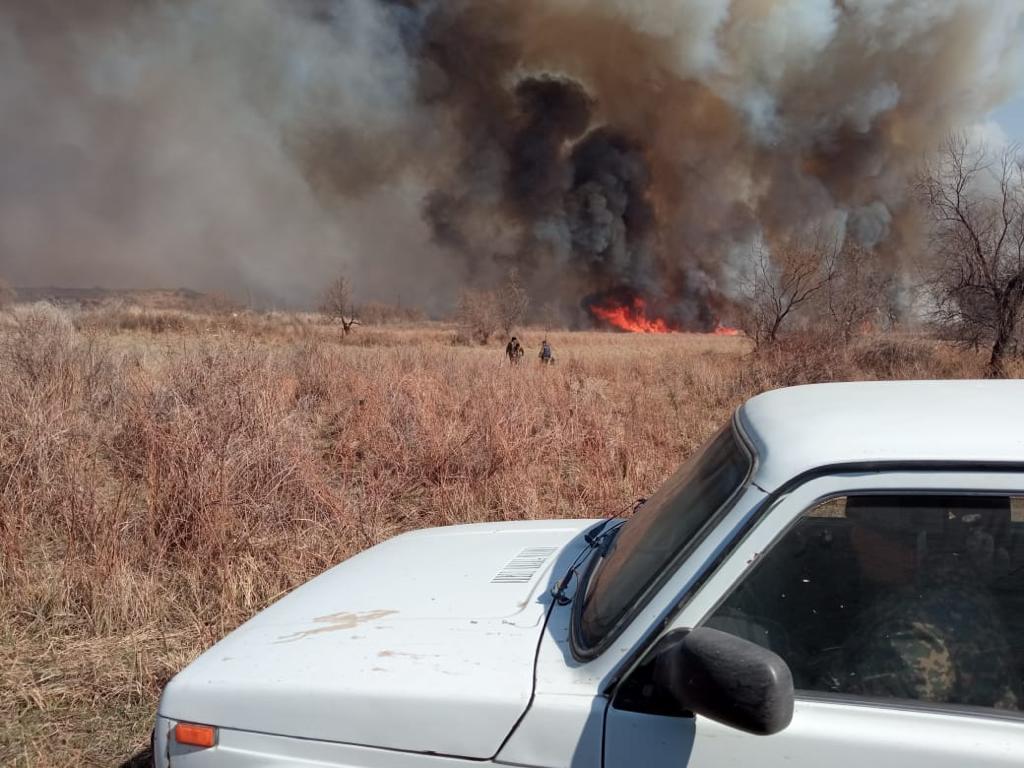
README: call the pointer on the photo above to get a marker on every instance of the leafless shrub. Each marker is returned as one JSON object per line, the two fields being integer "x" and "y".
{"x": 800, "y": 357}
{"x": 895, "y": 359}
{"x": 976, "y": 205}
{"x": 135, "y": 319}
{"x": 477, "y": 315}
{"x": 216, "y": 444}
{"x": 857, "y": 291}
{"x": 337, "y": 304}
{"x": 37, "y": 344}
{"x": 513, "y": 302}
{"x": 49, "y": 379}
{"x": 784, "y": 277}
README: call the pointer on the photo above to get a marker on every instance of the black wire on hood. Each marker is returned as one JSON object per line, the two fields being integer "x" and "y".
{"x": 598, "y": 537}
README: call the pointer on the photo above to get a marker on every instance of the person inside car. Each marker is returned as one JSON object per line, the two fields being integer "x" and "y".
{"x": 933, "y": 632}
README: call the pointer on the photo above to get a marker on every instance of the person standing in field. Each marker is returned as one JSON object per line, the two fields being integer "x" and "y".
{"x": 514, "y": 351}
{"x": 546, "y": 356}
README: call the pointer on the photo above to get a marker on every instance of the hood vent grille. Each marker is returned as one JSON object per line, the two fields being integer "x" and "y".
{"x": 524, "y": 566}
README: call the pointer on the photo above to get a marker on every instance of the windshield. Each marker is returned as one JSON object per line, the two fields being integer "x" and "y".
{"x": 646, "y": 546}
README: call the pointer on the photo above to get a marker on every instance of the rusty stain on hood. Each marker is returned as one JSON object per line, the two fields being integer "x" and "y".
{"x": 333, "y": 622}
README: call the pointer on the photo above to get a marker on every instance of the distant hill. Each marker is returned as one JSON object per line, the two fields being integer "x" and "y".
{"x": 148, "y": 298}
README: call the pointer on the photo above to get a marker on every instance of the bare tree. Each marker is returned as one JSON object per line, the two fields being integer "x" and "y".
{"x": 859, "y": 288}
{"x": 477, "y": 316}
{"x": 975, "y": 201}
{"x": 513, "y": 302}
{"x": 782, "y": 279}
{"x": 337, "y": 304}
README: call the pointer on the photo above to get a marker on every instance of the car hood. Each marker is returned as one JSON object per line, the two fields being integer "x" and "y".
{"x": 424, "y": 643}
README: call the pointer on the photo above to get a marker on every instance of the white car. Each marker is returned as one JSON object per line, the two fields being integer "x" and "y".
{"x": 836, "y": 579}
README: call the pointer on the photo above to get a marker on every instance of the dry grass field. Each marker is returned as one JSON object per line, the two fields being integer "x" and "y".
{"x": 163, "y": 476}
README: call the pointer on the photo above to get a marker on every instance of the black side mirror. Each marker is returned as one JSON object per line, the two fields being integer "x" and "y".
{"x": 726, "y": 679}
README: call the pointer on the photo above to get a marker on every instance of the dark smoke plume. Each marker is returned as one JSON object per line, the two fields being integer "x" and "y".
{"x": 551, "y": 112}
{"x": 607, "y": 207}
{"x": 603, "y": 147}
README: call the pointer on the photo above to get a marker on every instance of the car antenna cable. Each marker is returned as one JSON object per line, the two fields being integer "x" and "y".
{"x": 593, "y": 539}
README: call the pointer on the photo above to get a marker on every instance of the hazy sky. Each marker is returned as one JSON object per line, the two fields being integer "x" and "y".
{"x": 1011, "y": 117}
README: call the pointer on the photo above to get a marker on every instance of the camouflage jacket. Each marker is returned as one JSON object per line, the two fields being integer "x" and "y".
{"x": 941, "y": 641}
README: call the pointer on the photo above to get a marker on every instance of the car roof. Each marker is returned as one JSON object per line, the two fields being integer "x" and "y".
{"x": 799, "y": 429}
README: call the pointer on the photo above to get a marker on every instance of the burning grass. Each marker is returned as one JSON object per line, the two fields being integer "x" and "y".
{"x": 161, "y": 483}
{"x": 630, "y": 317}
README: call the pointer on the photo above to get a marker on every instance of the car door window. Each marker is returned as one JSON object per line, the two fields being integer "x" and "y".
{"x": 903, "y": 597}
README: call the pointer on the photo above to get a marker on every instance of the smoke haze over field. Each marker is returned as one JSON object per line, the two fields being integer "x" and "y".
{"x": 599, "y": 145}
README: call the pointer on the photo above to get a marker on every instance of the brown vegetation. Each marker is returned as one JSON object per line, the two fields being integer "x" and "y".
{"x": 380, "y": 313}
{"x": 159, "y": 485}
{"x": 477, "y": 316}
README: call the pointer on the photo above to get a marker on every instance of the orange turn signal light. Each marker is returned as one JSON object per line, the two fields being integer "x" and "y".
{"x": 195, "y": 735}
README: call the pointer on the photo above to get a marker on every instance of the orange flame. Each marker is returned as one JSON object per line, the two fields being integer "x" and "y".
{"x": 629, "y": 313}
{"x": 631, "y": 317}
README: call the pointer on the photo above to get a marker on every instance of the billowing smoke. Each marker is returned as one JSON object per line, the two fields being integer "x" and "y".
{"x": 603, "y": 147}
